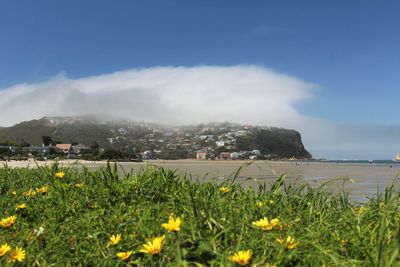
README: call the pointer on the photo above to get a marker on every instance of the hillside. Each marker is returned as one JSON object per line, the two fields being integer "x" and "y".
{"x": 275, "y": 141}
{"x": 29, "y": 131}
{"x": 169, "y": 142}
{"x": 79, "y": 131}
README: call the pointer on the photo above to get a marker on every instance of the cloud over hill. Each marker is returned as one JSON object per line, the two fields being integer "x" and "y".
{"x": 176, "y": 95}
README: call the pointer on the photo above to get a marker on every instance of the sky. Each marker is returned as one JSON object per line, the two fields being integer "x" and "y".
{"x": 326, "y": 68}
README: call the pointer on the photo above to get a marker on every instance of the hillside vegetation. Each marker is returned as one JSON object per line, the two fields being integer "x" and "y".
{"x": 80, "y": 132}
{"x": 282, "y": 142}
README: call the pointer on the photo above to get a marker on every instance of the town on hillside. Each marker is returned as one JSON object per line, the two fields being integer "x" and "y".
{"x": 213, "y": 141}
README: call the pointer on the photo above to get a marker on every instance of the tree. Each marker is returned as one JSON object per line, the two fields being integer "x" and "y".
{"x": 94, "y": 148}
{"x": 47, "y": 140}
{"x": 111, "y": 154}
{"x": 23, "y": 143}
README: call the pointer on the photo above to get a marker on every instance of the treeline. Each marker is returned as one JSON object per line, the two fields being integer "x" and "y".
{"x": 87, "y": 154}
{"x": 23, "y": 151}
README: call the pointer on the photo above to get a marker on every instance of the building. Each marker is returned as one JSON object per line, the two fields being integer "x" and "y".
{"x": 235, "y": 155}
{"x": 65, "y": 148}
{"x": 220, "y": 143}
{"x": 225, "y": 155}
{"x": 201, "y": 155}
{"x": 78, "y": 149}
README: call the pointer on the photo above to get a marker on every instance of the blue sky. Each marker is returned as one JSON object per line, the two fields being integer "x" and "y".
{"x": 349, "y": 49}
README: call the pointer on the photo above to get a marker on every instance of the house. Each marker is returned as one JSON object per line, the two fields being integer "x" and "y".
{"x": 78, "y": 149}
{"x": 148, "y": 154}
{"x": 116, "y": 140}
{"x": 65, "y": 148}
{"x": 220, "y": 143}
{"x": 201, "y": 155}
{"x": 241, "y": 133}
{"x": 122, "y": 131}
{"x": 235, "y": 155}
{"x": 149, "y": 135}
{"x": 225, "y": 155}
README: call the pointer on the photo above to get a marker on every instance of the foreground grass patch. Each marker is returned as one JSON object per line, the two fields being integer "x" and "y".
{"x": 69, "y": 217}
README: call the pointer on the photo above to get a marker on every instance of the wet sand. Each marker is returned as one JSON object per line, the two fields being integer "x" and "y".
{"x": 363, "y": 180}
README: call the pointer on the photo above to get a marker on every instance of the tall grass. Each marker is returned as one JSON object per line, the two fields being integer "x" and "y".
{"x": 70, "y": 225}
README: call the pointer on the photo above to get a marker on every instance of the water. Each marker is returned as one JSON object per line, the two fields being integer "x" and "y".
{"x": 362, "y": 179}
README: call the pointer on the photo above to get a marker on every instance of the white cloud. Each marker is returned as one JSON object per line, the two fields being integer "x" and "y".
{"x": 175, "y": 95}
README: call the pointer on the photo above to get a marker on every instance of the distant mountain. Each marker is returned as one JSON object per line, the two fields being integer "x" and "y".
{"x": 178, "y": 141}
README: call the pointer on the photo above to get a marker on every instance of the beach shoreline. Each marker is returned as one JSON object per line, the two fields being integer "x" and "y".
{"x": 361, "y": 180}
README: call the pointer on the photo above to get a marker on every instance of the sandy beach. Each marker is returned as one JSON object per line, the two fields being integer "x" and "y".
{"x": 363, "y": 180}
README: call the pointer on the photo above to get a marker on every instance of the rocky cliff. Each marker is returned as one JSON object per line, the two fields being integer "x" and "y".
{"x": 275, "y": 142}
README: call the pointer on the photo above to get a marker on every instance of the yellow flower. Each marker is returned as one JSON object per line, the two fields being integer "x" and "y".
{"x": 29, "y": 193}
{"x": 260, "y": 204}
{"x": 154, "y": 246}
{"x": 242, "y": 257}
{"x": 8, "y": 222}
{"x": 124, "y": 255}
{"x": 17, "y": 254}
{"x": 42, "y": 190}
{"x": 14, "y": 193}
{"x": 173, "y": 224}
{"x": 290, "y": 242}
{"x": 4, "y": 249}
{"x": 360, "y": 210}
{"x": 114, "y": 240}
{"x": 60, "y": 174}
{"x": 277, "y": 224}
{"x": 224, "y": 189}
{"x": 20, "y": 206}
{"x": 79, "y": 185}
{"x": 267, "y": 225}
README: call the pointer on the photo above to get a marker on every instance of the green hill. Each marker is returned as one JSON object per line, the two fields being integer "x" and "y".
{"x": 29, "y": 131}
{"x": 78, "y": 131}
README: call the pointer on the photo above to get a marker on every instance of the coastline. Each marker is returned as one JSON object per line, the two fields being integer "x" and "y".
{"x": 299, "y": 162}
{"x": 360, "y": 180}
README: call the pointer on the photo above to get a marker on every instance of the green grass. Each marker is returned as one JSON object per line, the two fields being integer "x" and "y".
{"x": 77, "y": 222}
